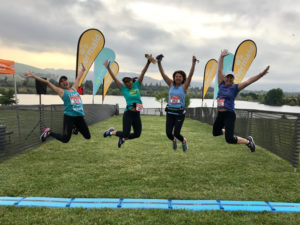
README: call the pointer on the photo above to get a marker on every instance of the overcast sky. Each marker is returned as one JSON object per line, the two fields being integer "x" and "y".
{"x": 45, "y": 33}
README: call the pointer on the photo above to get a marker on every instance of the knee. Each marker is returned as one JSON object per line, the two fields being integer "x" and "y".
{"x": 231, "y": 139}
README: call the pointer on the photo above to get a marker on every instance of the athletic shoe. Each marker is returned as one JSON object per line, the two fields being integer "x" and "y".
{"x": 174, "y": 144}
{"x": 150, "y": 58}
{"x": 108, "y": 132}
{"x": 184, "y": 146}
{"x": 159, "y": 57}
{"x": 75, "y": 130}
{"x": 120, "y": 142}
{"x": 251, "y": 144}
{"x": 45, "y": 134}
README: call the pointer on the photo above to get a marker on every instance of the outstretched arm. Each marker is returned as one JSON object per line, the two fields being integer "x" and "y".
{"x": 57, "y": 90}
{"x": 189, "y": 78}
{"x": 220, "y": 67}
{"x": 141, "y": 77}
{"x": 162, "y": 72}
{"x": 76, "y": 83}
{"x": 251, "y": 80}
{"x": 118, "y": 83}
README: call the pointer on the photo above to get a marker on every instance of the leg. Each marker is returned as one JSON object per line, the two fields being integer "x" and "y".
{"x": 170, "y": 122}
{"x": 82, "y": 127}
{"x": 127, "y": 121}
{"x": 229, "y": 127}
{"x": 178, "y": 125}
{"x": 67, "y": 130}
{"x": 137, "y": 126}
{"x": 218, "y": 124}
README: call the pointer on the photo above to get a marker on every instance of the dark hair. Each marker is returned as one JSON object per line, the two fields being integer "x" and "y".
{"x": 61, "y": 78}
{"x": 129, "y": 78}
{"x": 182, "y": 73}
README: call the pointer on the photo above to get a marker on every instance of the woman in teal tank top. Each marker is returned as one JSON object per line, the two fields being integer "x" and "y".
{"x": 131, "y": 92}
{"x": 73, "y": 111}
{"x": 176, "y": 103}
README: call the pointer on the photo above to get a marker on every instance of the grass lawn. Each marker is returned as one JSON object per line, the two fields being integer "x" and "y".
{"x": 147, "y": 167}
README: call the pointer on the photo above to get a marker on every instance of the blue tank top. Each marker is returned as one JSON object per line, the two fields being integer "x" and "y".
{"x": 73, "y": 103}
{"x": 226, "y": 96}
{"x": 176, "y": 97}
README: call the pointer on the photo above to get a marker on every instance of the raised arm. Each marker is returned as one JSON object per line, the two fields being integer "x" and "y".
{"x": 81, "y": 72}
{"x": 57, "y": 90}
{"x": 162, "y": 72}
{"x": 141, "y": 77}
{"x": 189, "y": 78}
{"x": 118, "y": 83}
{"x": 251, "y": 80}
{"x": 220, "y": 67}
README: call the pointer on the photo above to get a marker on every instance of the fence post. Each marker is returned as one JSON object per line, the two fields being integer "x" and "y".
{"x": 249, "y": 124}
{"x": 297, "y": 144}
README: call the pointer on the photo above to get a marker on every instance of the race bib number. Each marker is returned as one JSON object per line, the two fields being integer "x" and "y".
{"x": 175, "y": 99}
{"x": 220, "y": 102}
{"x": 139, "y": 107}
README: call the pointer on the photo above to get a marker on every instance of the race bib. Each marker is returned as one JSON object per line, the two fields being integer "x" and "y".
{"x": 139, "y": 107}
{"x": 75, "y": 100}
{"x": 175, "y": 99}
{"x": 220, "y": 102}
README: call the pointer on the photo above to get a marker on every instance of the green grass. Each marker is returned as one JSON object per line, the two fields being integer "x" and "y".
{"x": 147, "y": 168}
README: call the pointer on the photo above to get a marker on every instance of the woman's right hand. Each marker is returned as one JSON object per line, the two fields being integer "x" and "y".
{"x": 106, "y": 64}
{"x": 224, "y": 52}
{"x": 28, "y": 74}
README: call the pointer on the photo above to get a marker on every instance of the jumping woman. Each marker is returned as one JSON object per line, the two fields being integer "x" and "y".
{"x": 73, "y": 108}
{"x": 224, "y": 123}
{"x": 176, "y": 103}
{"x": 131, "y": 117}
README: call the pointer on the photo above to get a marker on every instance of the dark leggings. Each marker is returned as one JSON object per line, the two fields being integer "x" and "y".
{"x": 174, "y": 122}
{"x": 131, "y": 118}
{"x": 225, "y": 120}
{"x": 69, "y": 121}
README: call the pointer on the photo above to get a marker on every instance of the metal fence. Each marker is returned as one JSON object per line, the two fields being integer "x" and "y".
{"x": 22, "y": 125}
{"x": 277, "y": 132}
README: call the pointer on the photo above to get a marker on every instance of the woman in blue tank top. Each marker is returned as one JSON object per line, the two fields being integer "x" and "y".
{"x": 176, "y": 102}
{"x": 224, "y": 123}
{"x": 73, "y": 108}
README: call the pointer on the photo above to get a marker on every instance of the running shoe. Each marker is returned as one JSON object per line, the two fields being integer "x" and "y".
{"x": 159, "y": 57}
{"x": 120, "y": 142}
{"x": 174, "y": 144}
{"x": 150, "y": 58}
{"x": 45, "y": 134}
{"x": 108, "y": 132}
{"x": 251, "y": 144}
{"x": 184, "y": 146}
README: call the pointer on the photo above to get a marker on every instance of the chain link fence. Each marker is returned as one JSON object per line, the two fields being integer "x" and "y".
{"x": 22, "y": 125}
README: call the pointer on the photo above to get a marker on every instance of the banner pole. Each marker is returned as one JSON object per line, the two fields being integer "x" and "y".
{"x": 15, "y": 83}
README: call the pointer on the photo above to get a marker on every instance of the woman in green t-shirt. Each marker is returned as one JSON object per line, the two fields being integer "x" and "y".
{"x": 131, "y": 92}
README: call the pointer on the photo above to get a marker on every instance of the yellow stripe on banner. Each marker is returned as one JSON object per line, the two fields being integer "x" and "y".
{"x": 90, "y": 43}
{"x": 243, "y": 58}
{"x": 108, "y": 80}
{"x": 209, "y": 74}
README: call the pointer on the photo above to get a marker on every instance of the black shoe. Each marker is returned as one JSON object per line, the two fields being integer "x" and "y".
{"x": 108, "y": 132}
{"x": 120, "y": 142}
{"x": 251, "y": 144}
{"x": 159, "y": 57}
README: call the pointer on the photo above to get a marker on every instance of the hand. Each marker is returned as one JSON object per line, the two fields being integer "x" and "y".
{"x": 28, "y": 74}
{"x": 265, "y": 71}
{"x": 106, "y": 64}
{"x": 195, "y": 59}
{"x": 159, "y": 57}
{"x": 224, "y": 52}
{"x": 82, "y": 68}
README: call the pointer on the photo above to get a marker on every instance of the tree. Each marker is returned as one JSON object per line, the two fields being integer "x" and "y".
{"x": 162, "y": 97}
{"x": 274, "y": 97}
{"x": 7, "y": 97}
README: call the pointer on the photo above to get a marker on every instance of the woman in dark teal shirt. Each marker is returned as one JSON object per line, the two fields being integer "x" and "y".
{"x": 73, "y": 112}
{"x": 131, "y": 117}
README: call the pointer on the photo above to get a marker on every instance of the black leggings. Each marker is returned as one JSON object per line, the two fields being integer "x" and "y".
{"x": 225, "y": 120}
{"x": 69, "y": 121}
{"x": 131, "y": 118}
{"x": 174, "y": 122}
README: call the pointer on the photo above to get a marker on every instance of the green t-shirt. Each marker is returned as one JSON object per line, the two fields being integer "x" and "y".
{"x": 132, "y": 95}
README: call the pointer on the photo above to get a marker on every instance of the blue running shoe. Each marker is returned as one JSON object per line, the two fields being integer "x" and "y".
{"x": 108, "y": 133}
{"x": 120, "y": 142}
{"x": 184, "y": 146}
{"x": 174, "y": 144}
{"x": 251, "y": 144}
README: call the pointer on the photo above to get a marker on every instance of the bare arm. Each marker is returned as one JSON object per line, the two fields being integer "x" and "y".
{"x": 220, "y": 67}
{"x": 141, "y": 77}
{"x": 251, "y": 80}
{"x": 76, "y": 83}
{"x": 118, "y": 83}
{"x": 189, "y": 78}
{"x": 57, "y": 90}
{"x": 165, "y": 77}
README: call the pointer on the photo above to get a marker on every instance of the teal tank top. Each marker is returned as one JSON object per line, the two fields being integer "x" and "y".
{"x": 73, "y": 103}
{"x": 132, "y": 95}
